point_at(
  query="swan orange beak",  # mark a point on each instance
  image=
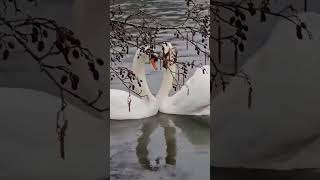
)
(153, 62)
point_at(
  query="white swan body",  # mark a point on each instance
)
(27, 124)
(192, 99)
(140, 107)
(281, 129)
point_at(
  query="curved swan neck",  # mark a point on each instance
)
(167, 82)
(138, 68)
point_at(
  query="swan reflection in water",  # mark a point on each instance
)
(160, 147)
(170, 139)
(170, 124)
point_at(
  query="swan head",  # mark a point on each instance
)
(169, 54)
(148, 55)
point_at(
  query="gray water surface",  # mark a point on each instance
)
(160, 147)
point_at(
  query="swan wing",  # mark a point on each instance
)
(194, 97)
(119, 106)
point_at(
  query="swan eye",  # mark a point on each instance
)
(154, 57)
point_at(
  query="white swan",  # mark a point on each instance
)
(28, 120)
(281, 130)
(140, 107)
(193, 98)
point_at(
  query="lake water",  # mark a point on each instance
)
(160, 147)
(163, 146)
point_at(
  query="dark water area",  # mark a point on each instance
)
(222, 173)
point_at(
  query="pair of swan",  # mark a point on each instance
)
(192, 99)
